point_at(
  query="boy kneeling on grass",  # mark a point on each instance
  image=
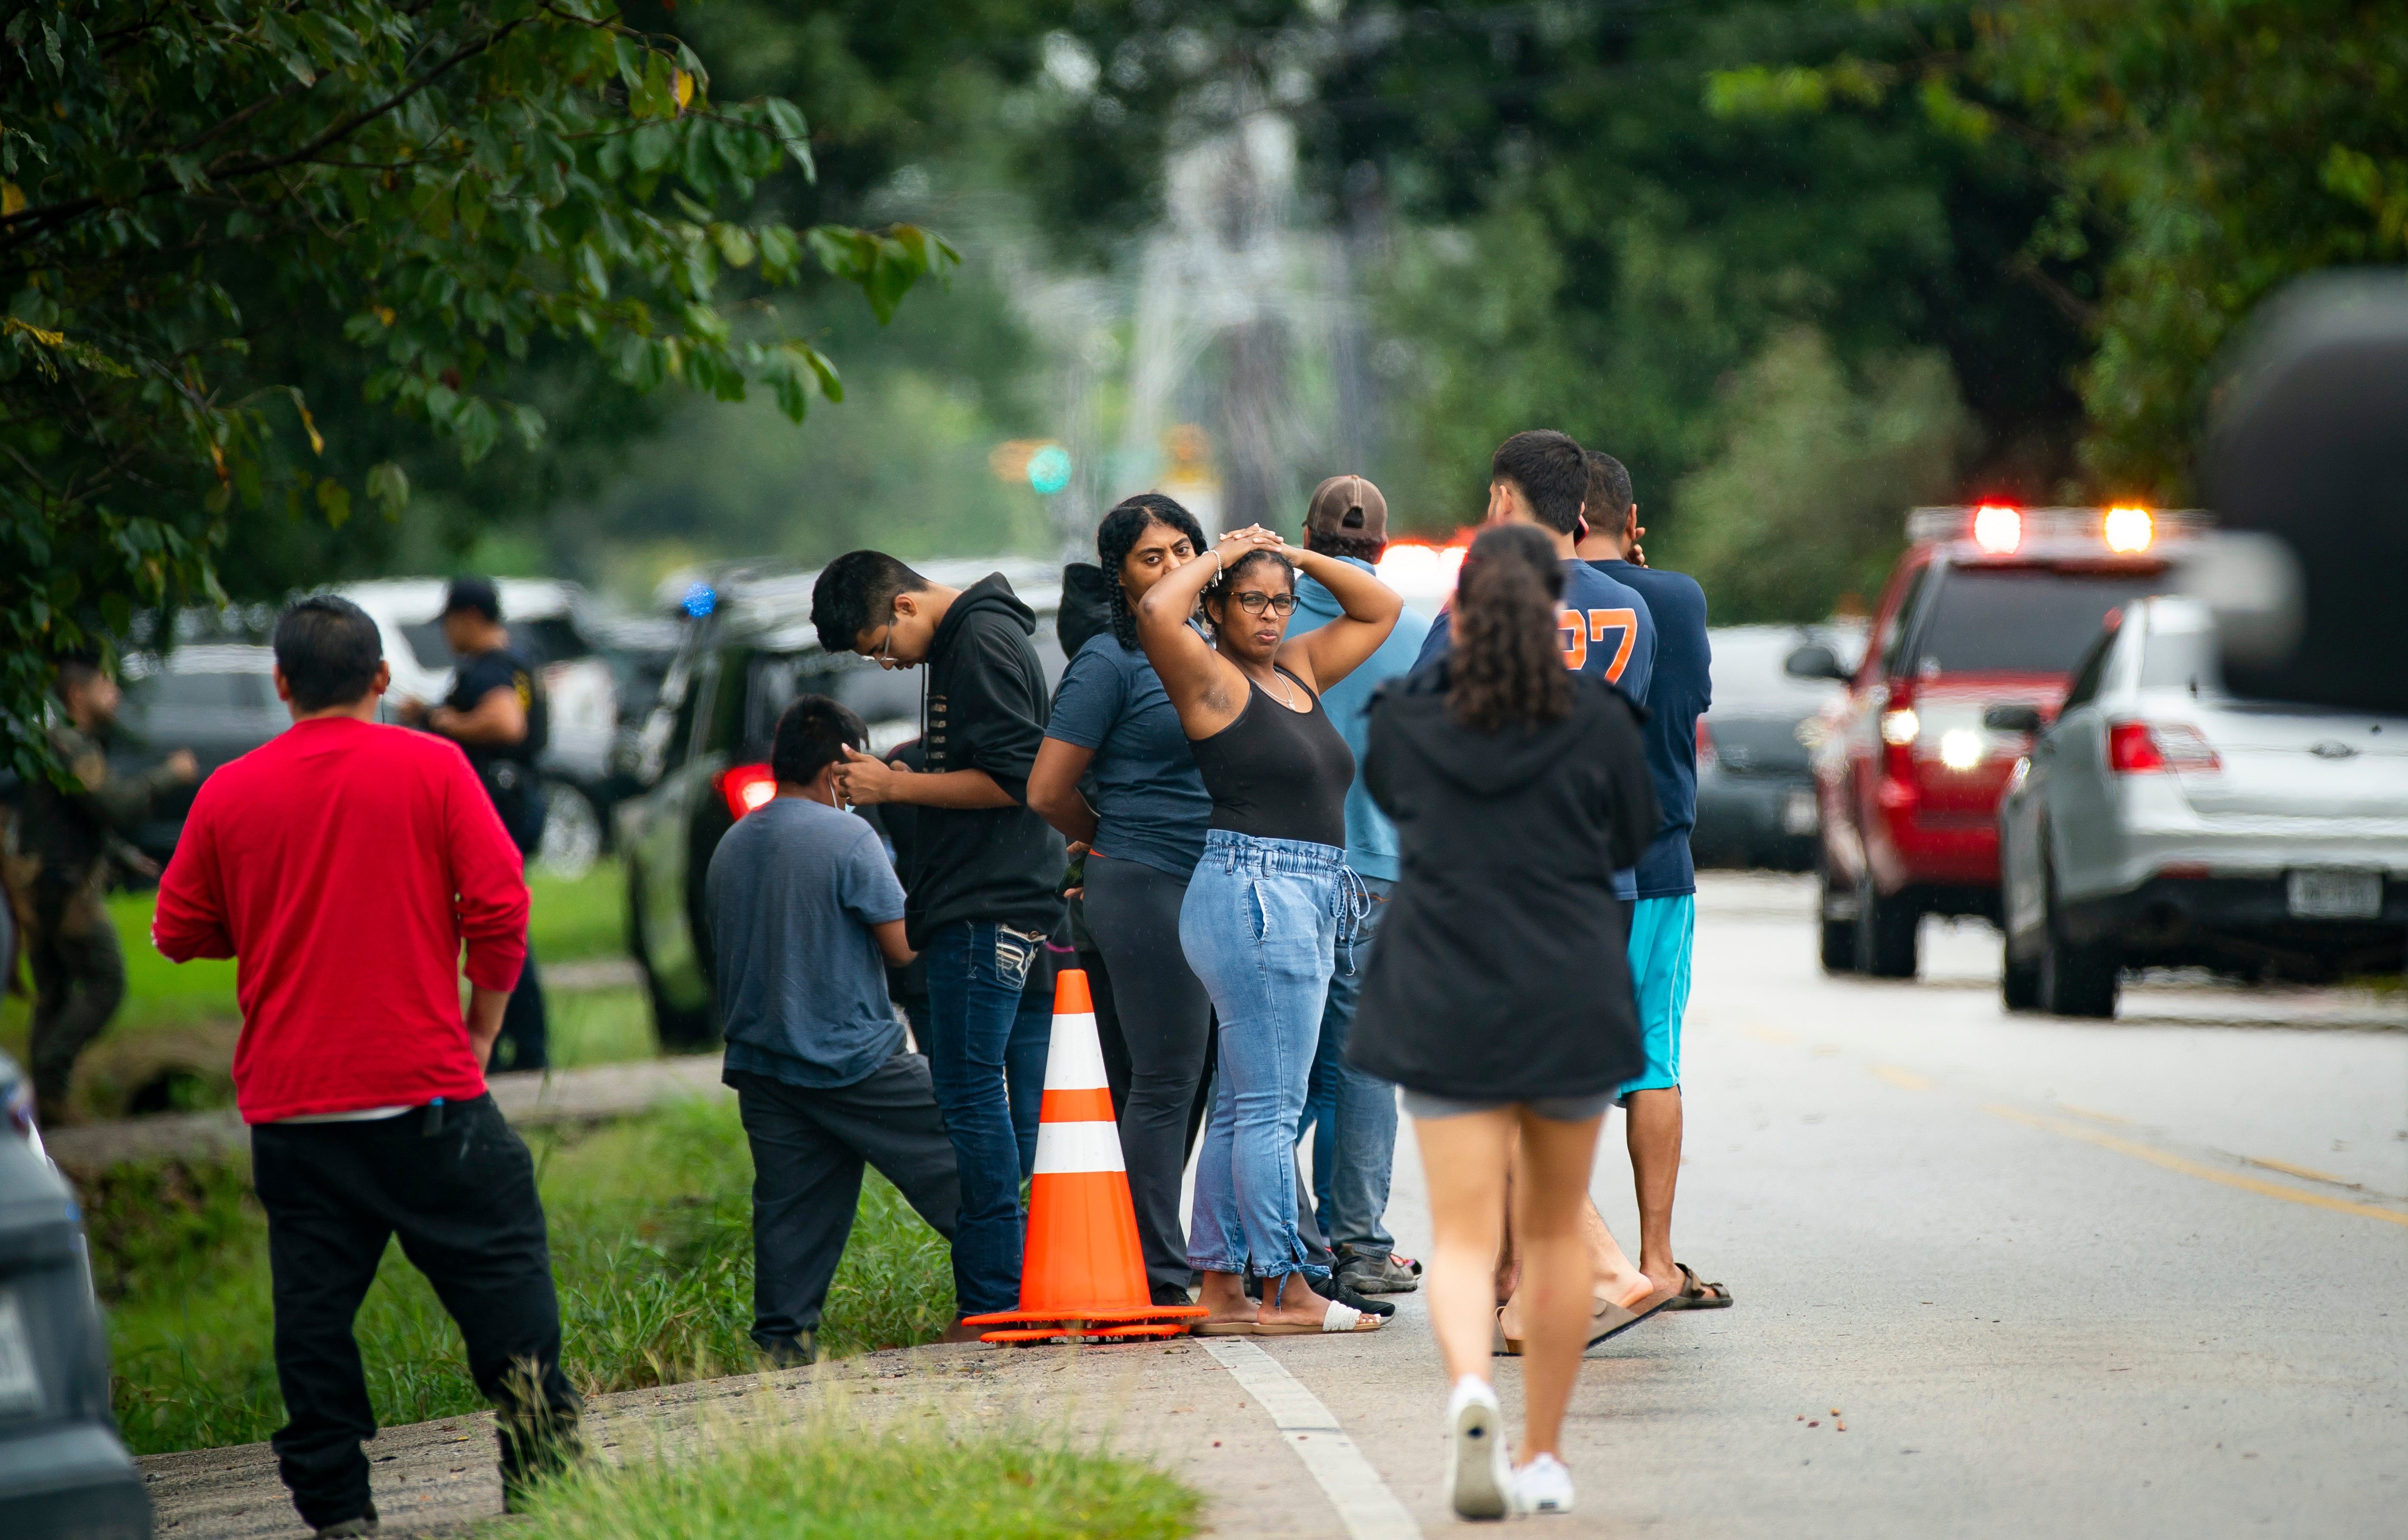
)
(805, 914)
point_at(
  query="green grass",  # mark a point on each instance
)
(587, 918)
(652, 1241)
(600, 1027)
(827, 1478)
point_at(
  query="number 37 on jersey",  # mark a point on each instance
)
(1595, 626)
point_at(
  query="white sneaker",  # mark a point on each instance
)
(1542, 1486)
(1479, 1473)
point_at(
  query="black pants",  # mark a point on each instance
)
(1165, 1020)
(809, 1148)
(78, 982)
(526, 1031)
(462, 1200)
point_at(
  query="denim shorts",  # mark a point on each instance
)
(1421, 1104)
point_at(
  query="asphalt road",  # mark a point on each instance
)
(2147, 1277)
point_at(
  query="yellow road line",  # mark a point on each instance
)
(2094, 1117)
(1767, 1034)
(2308, 1171)
(1904, 1079)
(2193, 1168)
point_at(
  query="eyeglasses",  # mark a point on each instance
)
(885, 659)
(1253, 602)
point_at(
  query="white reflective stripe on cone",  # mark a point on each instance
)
(1075, 1060)
(1069, 1149)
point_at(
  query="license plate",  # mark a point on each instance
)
(1798, 813)
(2335, 896)
(20, 1388)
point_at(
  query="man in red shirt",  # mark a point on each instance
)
(345, 864)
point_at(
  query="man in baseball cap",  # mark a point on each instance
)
(1354, 1114)
(496, 714)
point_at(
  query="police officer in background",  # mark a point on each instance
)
(496, 714)
(70, 841)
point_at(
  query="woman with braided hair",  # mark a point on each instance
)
(1498, 996)
(1142, 813)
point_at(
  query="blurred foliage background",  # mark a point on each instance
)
(1800, 263)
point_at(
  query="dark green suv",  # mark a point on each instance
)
(705, 751)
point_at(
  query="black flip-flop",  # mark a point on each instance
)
(1694, 1295)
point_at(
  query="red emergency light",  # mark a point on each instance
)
(747, 787)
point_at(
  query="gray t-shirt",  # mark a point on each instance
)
(792, 890)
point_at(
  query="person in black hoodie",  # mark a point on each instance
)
(1498, 993)
(981, 884)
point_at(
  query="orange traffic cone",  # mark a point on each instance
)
(1083, 1272)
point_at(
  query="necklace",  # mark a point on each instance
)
(1283, 697)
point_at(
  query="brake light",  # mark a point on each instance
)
(1705, 743)
(2139, 748)
(2129, 531)
(1998, 529)
(747, 787)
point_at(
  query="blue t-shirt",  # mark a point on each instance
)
(1151, 806)
(1605, 629)
(792, 892)
(1370, 838)
(1678, 693)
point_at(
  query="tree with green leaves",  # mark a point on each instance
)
(194, 192)
(2200, 155)
(1790, 324)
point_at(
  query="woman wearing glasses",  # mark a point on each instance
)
(1272, 897)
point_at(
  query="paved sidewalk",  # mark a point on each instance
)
(526, 1097)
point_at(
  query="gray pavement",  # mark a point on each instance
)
(2137, 1278)
(2026, 1331)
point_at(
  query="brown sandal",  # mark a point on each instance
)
(1694, 1295)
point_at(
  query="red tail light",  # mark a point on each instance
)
(2131, 751)
(747, 787)
(1705, 743)
(2139, 748)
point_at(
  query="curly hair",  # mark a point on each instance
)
(1119, 533)
(1219, 586)
(1507, 668)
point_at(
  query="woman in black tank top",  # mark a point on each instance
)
(1265, 909)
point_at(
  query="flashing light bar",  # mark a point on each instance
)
(1420, 570)
(1998, 529)
(2128, 530)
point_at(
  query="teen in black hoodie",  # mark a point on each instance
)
(981, 884)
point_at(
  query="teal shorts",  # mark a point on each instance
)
(1660, 930)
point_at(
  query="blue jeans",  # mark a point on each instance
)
(1354, 1148)
(1260, 926)
(975, 974)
